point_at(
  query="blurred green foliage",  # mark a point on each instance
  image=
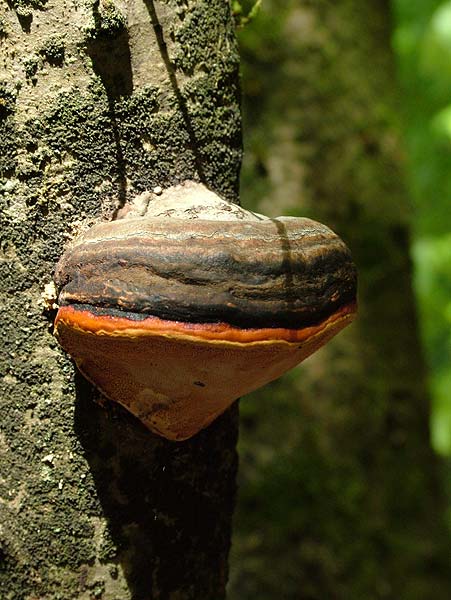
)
(326, 507)
(245, 10)
(422, 42)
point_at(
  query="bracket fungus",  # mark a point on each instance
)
(187, 302)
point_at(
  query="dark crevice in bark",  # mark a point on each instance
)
(194, 144)
(111, 61)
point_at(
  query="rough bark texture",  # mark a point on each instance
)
(339, 487)
(100, 101)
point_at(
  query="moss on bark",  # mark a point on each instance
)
(93, 505)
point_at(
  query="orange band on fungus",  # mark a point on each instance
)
(86, 321)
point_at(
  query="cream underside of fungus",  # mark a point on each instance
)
(187, 302)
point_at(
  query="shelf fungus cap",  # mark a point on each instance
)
(177, 313)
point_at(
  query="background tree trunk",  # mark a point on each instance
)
(99, 102)
(339, 487)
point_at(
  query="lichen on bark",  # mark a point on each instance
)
(93, 506)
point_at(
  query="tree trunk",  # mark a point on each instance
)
(339, 487)
(99, 102)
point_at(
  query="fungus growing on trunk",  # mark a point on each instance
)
(177, 313)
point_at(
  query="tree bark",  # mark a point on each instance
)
(99, 102)
(340, 494)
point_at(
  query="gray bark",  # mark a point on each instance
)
(100, 101)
